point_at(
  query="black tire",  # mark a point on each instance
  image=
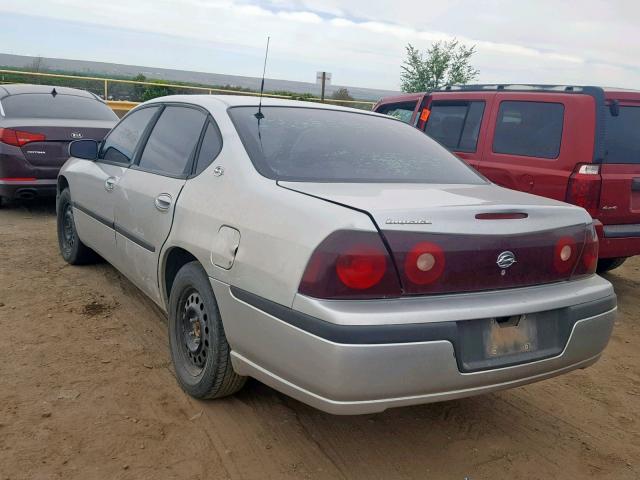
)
(199, 347)
(71, 247)
(608, 264)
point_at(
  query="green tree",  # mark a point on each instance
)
(444, 64)
(341, 94)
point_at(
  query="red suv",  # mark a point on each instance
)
(576, 144)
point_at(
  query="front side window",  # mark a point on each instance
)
(455, 125)
(121, 143)
(623, 136)
(322, 145)
(45, 105)
(402, 111)
(173, 141)
(531, 129)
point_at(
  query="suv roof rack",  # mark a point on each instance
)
(517, 87)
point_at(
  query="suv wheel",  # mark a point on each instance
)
(71, 247)
(199, 348)
(608, 264)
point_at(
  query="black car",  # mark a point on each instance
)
(37, 123)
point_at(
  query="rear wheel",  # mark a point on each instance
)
(199, 348)
(71, 247)
(608, 264)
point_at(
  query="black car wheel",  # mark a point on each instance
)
(199, 347)
(71, 247)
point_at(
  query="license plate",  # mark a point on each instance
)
(516, 335)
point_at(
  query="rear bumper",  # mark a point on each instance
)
(365, 371)
(620, 241)
(28, 188)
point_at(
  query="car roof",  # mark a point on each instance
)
(251, 101)
(25, 88)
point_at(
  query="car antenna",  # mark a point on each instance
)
(259, 115)
(53, 92)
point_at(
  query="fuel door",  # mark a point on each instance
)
(225, 246)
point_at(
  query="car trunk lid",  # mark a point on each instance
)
(463, 238)
(54, 150)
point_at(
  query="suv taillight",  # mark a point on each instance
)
(350, 264)
(584, 187)
(18, 138)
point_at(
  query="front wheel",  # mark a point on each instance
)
(199, 348)
(608, 264)
(71, 247)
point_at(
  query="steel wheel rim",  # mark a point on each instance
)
(68, 229)
(193, 331)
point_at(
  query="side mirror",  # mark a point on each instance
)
(87, 149)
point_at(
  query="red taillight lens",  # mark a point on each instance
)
(589, 259)
(584, 187)
(424, 263)
(18, 138)
(565, 255)
(350, 264)
(362, 267)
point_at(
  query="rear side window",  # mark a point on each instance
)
(402, 111)
(530, 129)
(45, 105)
(173, 141)
(455, 125)
(323, 145)
(210, 148)
(623, 136)
(119, 146)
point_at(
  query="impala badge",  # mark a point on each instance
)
(506, 259)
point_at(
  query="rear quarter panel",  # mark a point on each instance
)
(542, 176)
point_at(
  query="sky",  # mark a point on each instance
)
(361, 42)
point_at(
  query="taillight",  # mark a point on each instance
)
(424, 264)
(584, 187)
(565, 254)
(589, 258)
(18, 138)
(350, 264)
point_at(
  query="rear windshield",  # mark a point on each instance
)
(623, 136)
(45, 105)
(316, 145)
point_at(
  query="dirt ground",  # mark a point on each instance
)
(86, 391)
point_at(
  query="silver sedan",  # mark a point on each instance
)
(341, 257)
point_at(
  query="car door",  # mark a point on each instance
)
(620, 169)
(149, 190)
(93, 185)
(457, 121)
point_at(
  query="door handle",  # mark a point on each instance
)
(635, 184)
(163, 202)
(110, 183)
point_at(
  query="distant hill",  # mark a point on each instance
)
(170, 75)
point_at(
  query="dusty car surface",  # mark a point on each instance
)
(341, 257)
(37, 123)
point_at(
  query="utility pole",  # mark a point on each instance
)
(323, 79)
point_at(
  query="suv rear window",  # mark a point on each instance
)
(402, 111)
(322, 145)
(455, 124)
(530, 129)
(45, 105)
(623, 136)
